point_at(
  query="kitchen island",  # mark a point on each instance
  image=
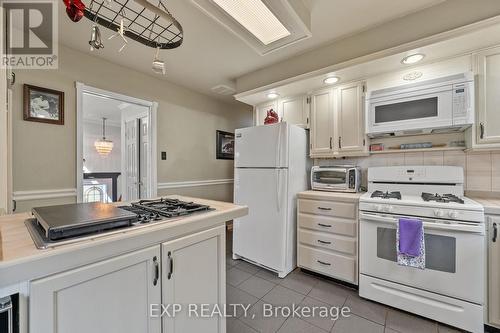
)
(110, 283)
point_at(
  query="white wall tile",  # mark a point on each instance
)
(456, 158)
(395, 159)
(433, 158)
(479, 171)
(415, 158)
(495, 171)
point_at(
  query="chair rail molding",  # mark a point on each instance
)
(43, 194)
(194, 183)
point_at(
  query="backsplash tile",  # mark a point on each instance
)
(495, 171)
(481, 169)
(479, 172)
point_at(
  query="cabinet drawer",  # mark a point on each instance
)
(329, 208)
(334, 265)
(328, 224)
(328, 241)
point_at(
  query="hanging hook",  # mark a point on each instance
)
(121, 30)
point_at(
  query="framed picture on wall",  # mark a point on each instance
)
(225, 145)
(43, 105)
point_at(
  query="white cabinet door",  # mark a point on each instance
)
(349, 118)
(294, 110)
(111, 296)
(322, 123)
(488, 69)
(262, 109)
(494, 270)
(193, 272)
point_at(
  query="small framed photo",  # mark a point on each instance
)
(43, 105)
(225, 145)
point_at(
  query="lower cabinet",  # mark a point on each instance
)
(493, 270)
(327, 236)
(193, 275)
(111, 296)
(116, 295)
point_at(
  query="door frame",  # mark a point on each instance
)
(81, 88)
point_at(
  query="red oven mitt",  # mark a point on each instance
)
(74, 9)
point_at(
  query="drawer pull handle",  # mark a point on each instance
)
(323, 242)
(325, 225)
(324, 208)
(324, 263)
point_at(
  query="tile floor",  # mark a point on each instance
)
(249, 284)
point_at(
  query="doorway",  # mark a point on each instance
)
(116, 146)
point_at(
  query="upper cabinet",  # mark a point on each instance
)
(322, 129)
(337, 121)
(350, 118)
(293, 110)
(487, 131)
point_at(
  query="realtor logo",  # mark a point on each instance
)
(29, 39)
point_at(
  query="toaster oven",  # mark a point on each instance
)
(342, 178)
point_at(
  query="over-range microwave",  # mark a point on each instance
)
(440, 105)
(340, 178)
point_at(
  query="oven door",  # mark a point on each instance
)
(411, 110)
(333, 179)
(454, 253)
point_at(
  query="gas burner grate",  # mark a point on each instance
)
(387, 195)
(445, 198)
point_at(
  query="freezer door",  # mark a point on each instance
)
(260, 236)
(262, 146)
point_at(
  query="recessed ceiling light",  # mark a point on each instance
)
(413, 58)
(272, 95)
(256, 18)
(331, 80)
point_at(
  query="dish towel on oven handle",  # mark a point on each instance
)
(410, 243)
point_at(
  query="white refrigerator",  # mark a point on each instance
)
(271, 167)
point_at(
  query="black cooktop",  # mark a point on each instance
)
(65, 223)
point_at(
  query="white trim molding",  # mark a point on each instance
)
(44, 194)
(194, 183)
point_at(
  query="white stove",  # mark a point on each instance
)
(451, 287)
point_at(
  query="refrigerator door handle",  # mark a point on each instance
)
(278, 151)
(278, 189)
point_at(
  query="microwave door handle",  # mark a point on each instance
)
(427, 224)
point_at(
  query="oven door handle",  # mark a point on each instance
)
(479, 228)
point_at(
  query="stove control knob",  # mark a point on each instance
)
(390, 209)
(439, 213)
(453, 214)
(378, 208)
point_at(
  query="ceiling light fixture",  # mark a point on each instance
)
(331, 80)
(103, 146)
(272, 95)
(412, 58)
(256, 18)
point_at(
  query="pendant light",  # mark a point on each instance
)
(103, 146)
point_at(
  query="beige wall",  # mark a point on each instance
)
(446, 16)
(44, 156)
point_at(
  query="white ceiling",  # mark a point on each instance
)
(96, 107)
(212, 55)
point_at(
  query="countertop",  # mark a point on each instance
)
(326, 195)
(491, 204)
(21, 261)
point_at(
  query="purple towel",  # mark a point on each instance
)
(410, 236)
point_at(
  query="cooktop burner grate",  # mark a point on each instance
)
(445, 198)
(387, 195)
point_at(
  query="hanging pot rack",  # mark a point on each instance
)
(145, 23)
